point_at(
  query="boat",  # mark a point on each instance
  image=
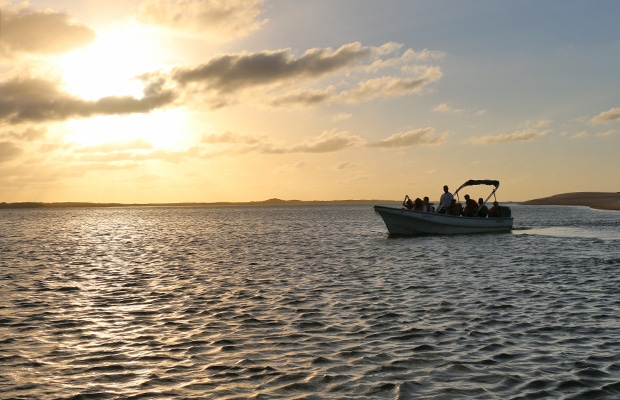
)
(404, 222)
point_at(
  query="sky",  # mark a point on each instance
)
(156, 101)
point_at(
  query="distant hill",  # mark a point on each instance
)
(598, 200)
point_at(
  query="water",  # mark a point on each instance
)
(305, 302)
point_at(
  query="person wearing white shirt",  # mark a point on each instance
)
(444, 201)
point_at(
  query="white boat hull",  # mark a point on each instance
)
(405, 222)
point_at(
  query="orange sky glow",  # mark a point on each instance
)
(151, 101)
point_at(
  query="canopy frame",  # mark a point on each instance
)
(475, 182)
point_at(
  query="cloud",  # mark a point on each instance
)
(305, 98)
(232, 72)
(104, 155)
(448, 109)
(281, 79)
(28, 135)
(232, 138)
(423, 136)
(131, 145)
(327, 142)
(608, 133)
(388, 87)
(342, 117)
(40, 100)
(42, 32)
(543, 123)
(525, 135)
(580, 135)
(345, 165)
(8, 151)
(445, 108)
(607, 116)
(268, 77)
(371, 89)
(219, 19)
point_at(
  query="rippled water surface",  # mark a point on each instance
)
(305, 302)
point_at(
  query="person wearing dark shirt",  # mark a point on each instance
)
(470, 207)
(483, 210)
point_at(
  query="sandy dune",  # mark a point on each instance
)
(598, 200)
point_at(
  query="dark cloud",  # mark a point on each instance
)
(306, 98)
(42, 32)
(424, 136)
(280, 79)
(229, 73)
(39, 100)
(328, 143)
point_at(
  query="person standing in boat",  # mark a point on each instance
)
(444, 201)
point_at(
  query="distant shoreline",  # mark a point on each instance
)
(597, 200)
(270, 202)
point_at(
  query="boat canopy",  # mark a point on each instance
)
(475, 182)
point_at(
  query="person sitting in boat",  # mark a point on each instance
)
(418, 205)
(483, 210)
(454, 208)
(494, 211)
(444, 200)
(408, 203)
(470, 207)
(428, 207)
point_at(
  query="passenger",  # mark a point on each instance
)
(494, 211)
(407, 203)
(483, 210)
(470, 207)
(428, 207)
(454, 208)
(418, 205)
(444, 201)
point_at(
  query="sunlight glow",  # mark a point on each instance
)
(161, 129)
(108, 66)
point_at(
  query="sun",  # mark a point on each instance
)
(109, 65)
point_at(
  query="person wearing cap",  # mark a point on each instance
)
(470, 207)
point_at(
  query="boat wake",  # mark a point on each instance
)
(569, 232)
